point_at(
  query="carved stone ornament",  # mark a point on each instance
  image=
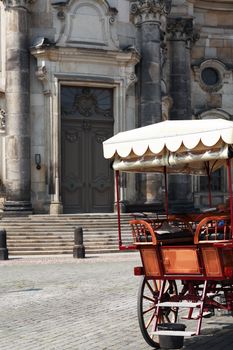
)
(131, 80)
(41, 73)
(62, 6)
(17, 3)
(72, 20)
(181, 29)
(112, 14)
(167, 103)
(163, 49)
(149, 10)
(2, 119)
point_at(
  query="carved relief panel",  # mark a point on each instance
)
(85, 23)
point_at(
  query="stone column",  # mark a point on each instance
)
(147, 16)
(180, 34)
(18, 174)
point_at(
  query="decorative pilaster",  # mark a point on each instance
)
(18, 158)
(52, 127)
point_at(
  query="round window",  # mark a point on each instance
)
(210, 76)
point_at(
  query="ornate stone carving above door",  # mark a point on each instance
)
(85, 23)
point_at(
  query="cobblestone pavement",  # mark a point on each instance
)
(61, 303)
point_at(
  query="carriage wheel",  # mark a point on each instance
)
(147, 299)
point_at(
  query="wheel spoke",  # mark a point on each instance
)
(156, 288)
(148, 310)
(149, 287)
(150, 320)
(148, 298)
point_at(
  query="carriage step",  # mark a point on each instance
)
(179, 304)
(175, 333)
(196, 315)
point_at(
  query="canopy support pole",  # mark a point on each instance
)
(166, 190)
(209, 185)
(230, 193)
(118, 209)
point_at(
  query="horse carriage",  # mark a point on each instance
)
(186, 259)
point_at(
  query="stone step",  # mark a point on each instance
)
(51, 218)
(45, 234)
(86, 225)
(63, 224)
(67, 235)
(13, 243)
(16, 243)
(66, 240)
(52, 246)
(51, 222)
(64, 228)
(60, 252)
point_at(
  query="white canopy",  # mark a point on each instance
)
(183, 146)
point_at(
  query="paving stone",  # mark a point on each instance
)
(61, 303)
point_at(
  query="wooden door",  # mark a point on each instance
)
(87, 178)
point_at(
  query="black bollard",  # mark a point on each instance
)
(3, 245)
(79, 249)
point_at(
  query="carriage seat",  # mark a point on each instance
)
(219, 236)
(173, 232)
(213, 228)
(145, 232)
(215, 235)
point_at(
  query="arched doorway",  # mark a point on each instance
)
(86, 177)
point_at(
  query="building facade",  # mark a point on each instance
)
(75, 72)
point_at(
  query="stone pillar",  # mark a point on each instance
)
(180, 34)
(147, 16)
(18, 174)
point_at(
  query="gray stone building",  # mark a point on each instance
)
(75, 72)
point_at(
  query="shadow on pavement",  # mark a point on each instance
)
(212, 338)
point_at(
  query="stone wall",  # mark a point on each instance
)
(113, 52)
(106, 56)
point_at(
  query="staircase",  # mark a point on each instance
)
(185, 304)
(50, 234)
